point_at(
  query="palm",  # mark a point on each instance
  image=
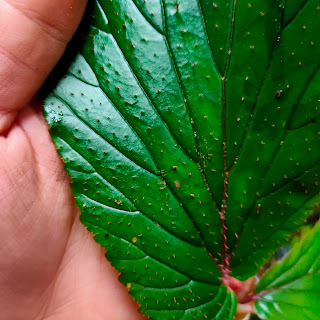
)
(50, 267)
(36, 213)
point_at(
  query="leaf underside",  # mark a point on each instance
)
(190, 132)
(291, 289)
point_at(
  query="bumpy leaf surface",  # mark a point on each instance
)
(190, 132)
(291, 289)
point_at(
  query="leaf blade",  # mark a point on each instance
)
(293, 284)
(144, 120)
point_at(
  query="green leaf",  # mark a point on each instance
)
(190, 132)
(291, 288)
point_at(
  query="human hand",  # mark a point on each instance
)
(50, 267)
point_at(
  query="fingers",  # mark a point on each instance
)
(77, 280)
(34, 34)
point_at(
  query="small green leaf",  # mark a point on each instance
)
(190, 131)
(291, 288)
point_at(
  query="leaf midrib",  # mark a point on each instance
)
(225, 256)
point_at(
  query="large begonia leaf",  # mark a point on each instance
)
(291, 289)
(190, 131)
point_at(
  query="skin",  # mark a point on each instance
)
(50, 266)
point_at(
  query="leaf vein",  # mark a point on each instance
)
(295, 16)
(148, 19)
(147, 217)
(162, 262)
(100, 175)
(290, 181)
(97, 133)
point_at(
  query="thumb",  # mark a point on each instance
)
(34, 35)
